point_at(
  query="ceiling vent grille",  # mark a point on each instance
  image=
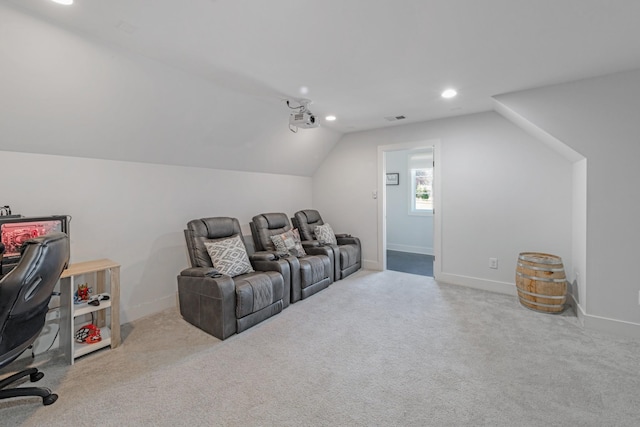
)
(394, 118)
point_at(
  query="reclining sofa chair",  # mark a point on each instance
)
(347, 251)
(309, 273)
(220, 304)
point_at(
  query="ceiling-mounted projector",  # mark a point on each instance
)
(303, 119)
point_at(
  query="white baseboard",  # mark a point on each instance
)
(577, 308)
(130, 314)
(604, 324)
(590, 322)
(611, 326)
(408, 248)
(476, 283)
(371, 265)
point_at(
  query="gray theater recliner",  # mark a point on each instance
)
(309, 274)
(222, 305)
(347, 253)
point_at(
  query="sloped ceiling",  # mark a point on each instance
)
(202, 82)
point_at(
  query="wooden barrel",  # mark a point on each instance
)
(541, 282)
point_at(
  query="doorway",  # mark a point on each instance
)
(410, 262)
(408, 224)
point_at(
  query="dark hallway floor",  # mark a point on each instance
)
(407, 262)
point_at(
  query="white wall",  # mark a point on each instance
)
(503, 192)
(67, 94)
(578, 277)
(134, 213)
(578, 281)
(599, 118)
(405, 232)
(71, 100)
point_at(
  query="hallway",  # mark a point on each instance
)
(407, 262)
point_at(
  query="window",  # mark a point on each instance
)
(421, 184)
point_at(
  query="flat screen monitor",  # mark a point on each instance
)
(15, 231)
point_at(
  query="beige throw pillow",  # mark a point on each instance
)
(289, 242)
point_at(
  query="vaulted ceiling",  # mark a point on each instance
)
(360, 60)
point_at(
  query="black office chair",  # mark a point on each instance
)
(24, 301)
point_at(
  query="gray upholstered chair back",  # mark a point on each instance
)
(264, 226)
(200, 230)
(306, 221)
(26, 290)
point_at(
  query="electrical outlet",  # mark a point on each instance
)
(493, 262)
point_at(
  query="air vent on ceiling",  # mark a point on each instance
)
(394, 118)
(126, 27)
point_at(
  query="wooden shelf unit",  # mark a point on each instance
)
(107, 275)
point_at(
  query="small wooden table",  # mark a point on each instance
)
(107, 274)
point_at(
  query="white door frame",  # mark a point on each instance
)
(382, 199)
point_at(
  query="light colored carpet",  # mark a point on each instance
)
(375, 349)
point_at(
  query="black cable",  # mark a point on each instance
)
(50, 345)
(301, 107)
(54, 339)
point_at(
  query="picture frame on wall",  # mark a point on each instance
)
(393, 179)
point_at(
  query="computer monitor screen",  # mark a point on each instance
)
(15, 231)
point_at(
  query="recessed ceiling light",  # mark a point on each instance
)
(304, 90)
(330, 118)
(64, 2)
(449, 93)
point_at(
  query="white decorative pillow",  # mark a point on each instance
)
(324, 233)
(229, 256)
(289, 242)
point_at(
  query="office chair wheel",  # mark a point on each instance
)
(48, 400)
(36, 376)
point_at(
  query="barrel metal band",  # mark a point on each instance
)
(542, 296)
(541, 260)
(541, 304)
(531, 267)
(541, 279)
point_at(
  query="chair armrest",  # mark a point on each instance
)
(200, 272)
(310, 244)
(208, 302)
(348, 240)
(319, 249)
(339, 235)
(263, 256)
(221, 286)
(270, 261)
